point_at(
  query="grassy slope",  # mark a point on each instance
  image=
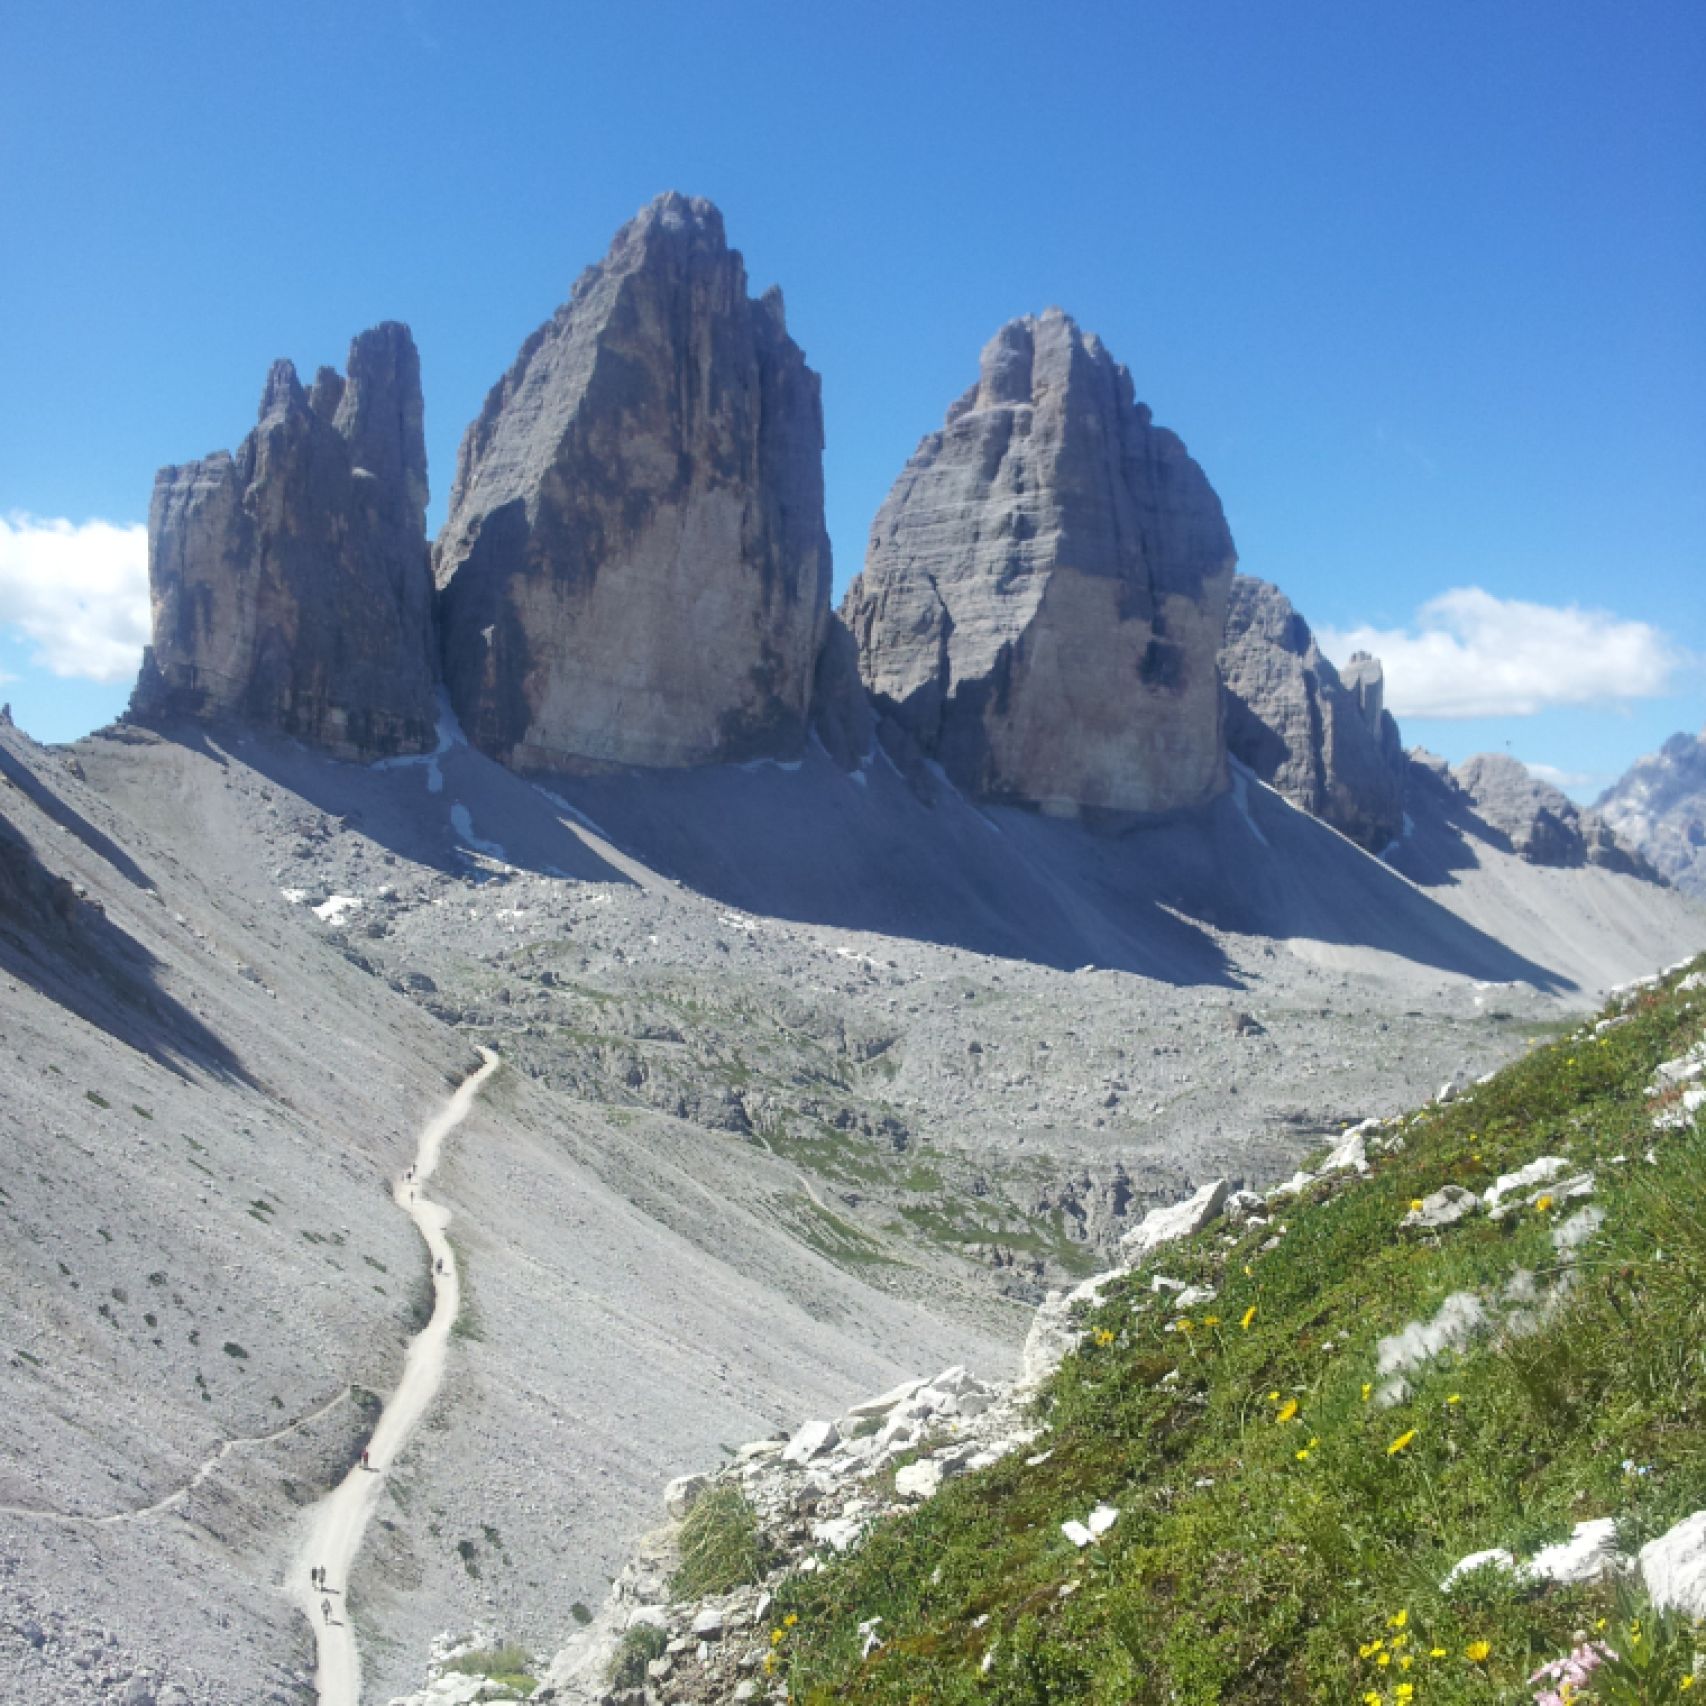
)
(1258, 1559)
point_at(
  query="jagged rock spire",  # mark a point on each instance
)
(635, 569)
(290, 583)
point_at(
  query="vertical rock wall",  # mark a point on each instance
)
(635, 569)
(290, 584)
(1045, 589)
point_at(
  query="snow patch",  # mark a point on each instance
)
(463, 823)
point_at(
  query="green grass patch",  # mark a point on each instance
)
(508, 1666)
(1283, 1533)
(721, 1547)
(640, 1645)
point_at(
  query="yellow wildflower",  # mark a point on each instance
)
(1405, 1691)
(776, 1637)
(1367, 1390)
(790, 1620)
(1397, 1620)
(1104, 1336)
(1415, 1205)
(1477, 1652)
(1542, 1205)
(1455, 1398)
(1211, 1320)
(1371, 1698)
(1383, 1660)
(1400, 1442)
(1249, 1316)
(1438, 1653)
(1273, 1397)
(1369, 1648)
(1185, 1324)
(1287, 1411)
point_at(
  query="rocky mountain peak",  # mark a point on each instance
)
(1659, 806)
(1319, 735)
(635, 569)
(1044, 590)
(289, 583)
(1514, 808)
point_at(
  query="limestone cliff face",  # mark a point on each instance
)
(1321, 737)
(1045, 588)
(290, 583)
(1658, 807)
(635, 569)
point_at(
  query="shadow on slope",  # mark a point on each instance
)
(874, 851)
(865, 852)
(66, 948)
(447, 810)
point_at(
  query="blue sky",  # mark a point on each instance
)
(1421, 287)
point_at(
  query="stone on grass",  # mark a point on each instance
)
(1494, 1558)
(1538, 1172)
(921, 1480)
(1590, 1553)
(1673, 1567)
(1178, 1220)
(1445, 1207)
(682, 1494)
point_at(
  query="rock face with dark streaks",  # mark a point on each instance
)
(1320, 736)
(1045, 588)
(290, 583)
(1659, 807)
(635, 569)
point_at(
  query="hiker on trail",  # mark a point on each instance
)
(364, 1463)
(326, 1609)
(314, 1577)
(441, 1264)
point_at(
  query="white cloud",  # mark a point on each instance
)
(1563, 778)
(1470, 654)
(78, 591)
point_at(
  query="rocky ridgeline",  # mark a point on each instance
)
(1322, 737)
(635, 573)
(1045, 589)
(1499, 800)
(1659, 806)
(290, 583)
(635, 568)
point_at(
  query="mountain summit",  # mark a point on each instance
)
(289, 583)
(1045, 588)
(635, 569)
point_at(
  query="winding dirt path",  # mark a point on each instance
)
(239, 1444)
(334, 1526)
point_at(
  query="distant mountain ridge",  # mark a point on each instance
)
(1659, 806)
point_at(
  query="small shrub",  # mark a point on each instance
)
(580, 1613)
(506, 1665)
(721, 1547)
(233, 1349)
(643, 1643)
